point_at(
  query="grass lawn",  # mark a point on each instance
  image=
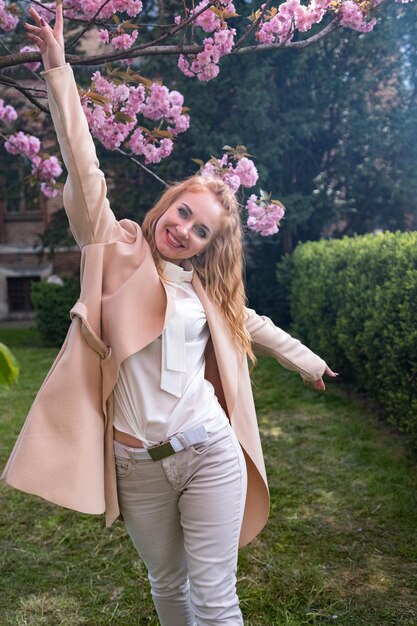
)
(340, 546)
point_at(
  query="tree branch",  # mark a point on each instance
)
(304, 43)
(86, 27)
(5, 47)
(150, 49)
(175, 29)
(147, 170)
(5, 80)
(253, 25)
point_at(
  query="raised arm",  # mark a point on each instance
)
(85, 191)
(269, 340)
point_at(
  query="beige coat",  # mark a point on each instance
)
(64, 452)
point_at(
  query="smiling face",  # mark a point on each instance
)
(188, 226)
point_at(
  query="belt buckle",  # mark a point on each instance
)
(161, 450)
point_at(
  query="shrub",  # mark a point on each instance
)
(9, 368)
(354, 302)
(53, 303)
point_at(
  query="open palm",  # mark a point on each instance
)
(49, 41)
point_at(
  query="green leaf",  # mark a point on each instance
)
(216, 12)
(123, 117)
(254, 15)
(160, 134)
(9, 369)
(130, 25)
(223, 14)
(97, 98)
(132, 77)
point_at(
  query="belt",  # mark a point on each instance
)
(171, 445)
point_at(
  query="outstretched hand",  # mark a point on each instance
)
(319, 384)
(49, 41)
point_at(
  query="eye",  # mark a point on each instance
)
(182, 211)
(201, 232)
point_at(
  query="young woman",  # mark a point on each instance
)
(147, 410)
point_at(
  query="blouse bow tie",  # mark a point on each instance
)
(172, 273)
(173, 336)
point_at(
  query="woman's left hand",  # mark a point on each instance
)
(319, 384)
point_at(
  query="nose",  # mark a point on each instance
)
(182, 231)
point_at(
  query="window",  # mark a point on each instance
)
(19, 289)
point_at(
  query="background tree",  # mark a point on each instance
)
(332, 126)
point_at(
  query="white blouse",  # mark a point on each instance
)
(161, 390)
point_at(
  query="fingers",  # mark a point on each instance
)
(57, 31)
(34, 33)
(50, 41)
(38, 41)
(39, 34)
(36, 16)
(33, 30)
(59, 18)
(330, 372)
(319, 385)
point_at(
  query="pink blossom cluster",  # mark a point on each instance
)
(32, 65)
(208, 20)
(244, 173)
(7, 112)
(44, 168)
(86, 9)
(118, 38)
(264, 215)
(25, 145)
(113, 117)
(205, 64)
(143, 144)
(47, 170)
(279, 25)
(353, 17)
(8, 18)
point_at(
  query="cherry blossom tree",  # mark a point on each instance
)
(140, 117)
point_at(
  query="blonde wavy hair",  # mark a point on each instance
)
(220, 265)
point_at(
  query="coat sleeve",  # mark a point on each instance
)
(85, 192)
(269, 340)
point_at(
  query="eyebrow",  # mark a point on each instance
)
(190, 211)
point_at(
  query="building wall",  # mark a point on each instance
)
(23, 230)
(19, 266)
(21, 262)
(24, 215)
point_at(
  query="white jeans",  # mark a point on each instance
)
(184, 515)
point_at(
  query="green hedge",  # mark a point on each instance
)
(354, 301)
(53, 303)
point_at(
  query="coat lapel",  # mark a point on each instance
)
(226, 353)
